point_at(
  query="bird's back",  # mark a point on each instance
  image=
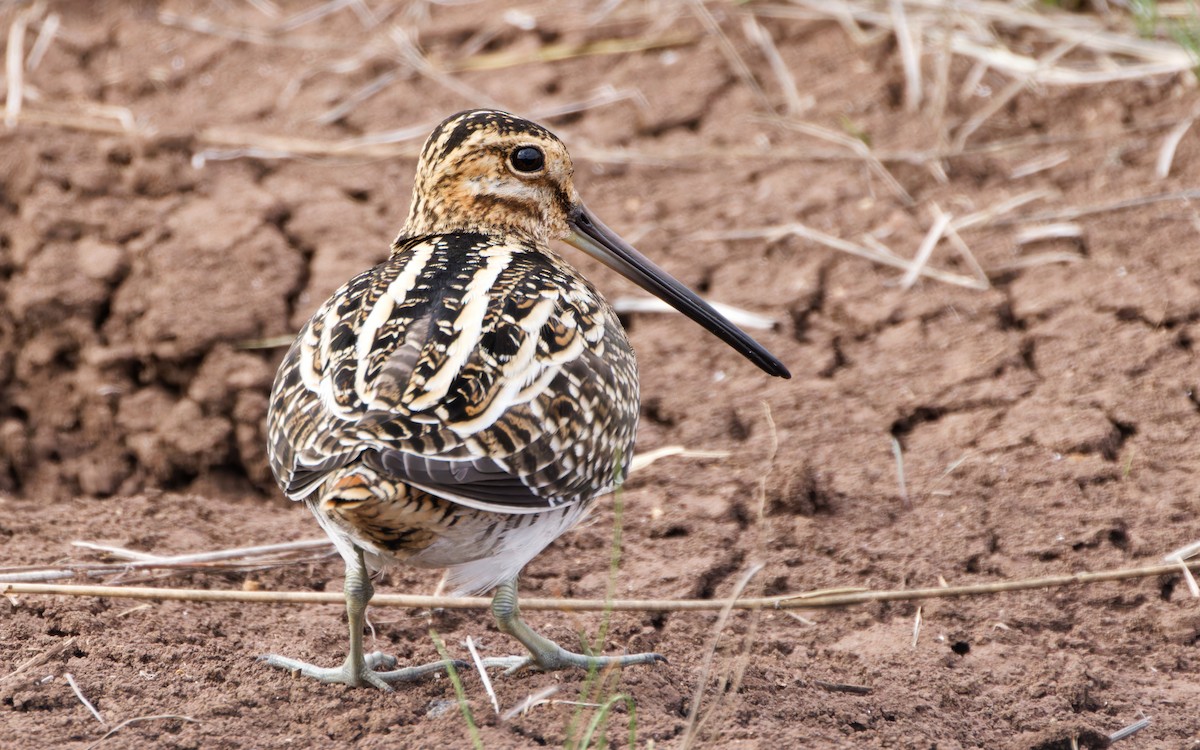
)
(481, 369)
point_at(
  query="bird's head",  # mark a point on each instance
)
(489, 171)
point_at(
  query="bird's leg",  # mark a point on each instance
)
(545, 654)
(359, 669)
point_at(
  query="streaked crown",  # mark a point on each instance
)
(491, 172)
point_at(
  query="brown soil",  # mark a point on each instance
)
(1049, 424)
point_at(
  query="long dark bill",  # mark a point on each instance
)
(591, 236)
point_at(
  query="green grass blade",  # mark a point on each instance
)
(460, 694)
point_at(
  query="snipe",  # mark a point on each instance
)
(463, 403)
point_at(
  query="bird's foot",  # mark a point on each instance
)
(363, 673)
(555, 658)
(545, 654)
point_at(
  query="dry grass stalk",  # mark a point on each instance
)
(730, 53)
(1006, 95)
(14, 67)
(531, 701)
(811, 600)
(888, 258)
(1129, 731)
(1166, 154)
(733, 672)
(311, 15)
(70, 678)
(757, 34)
(993, 214)
(350, 103)
(227, 143)
(910, 56)
(925, 250)
(856, 146)
(139, 720)
(964, 251)
(280, 34)
(483, 675)
(695, 723)
(95, 118)
(243, 559)
(38, 660)
(566, 51)
(1184, 552)
(1033, 261)
(1062, 230)
(898, 455)
(240, 34)
(1039, 164)
(267, 7)
(1070, 213)
(940, 95)
(1193, 587)
(411, 54)
(46, 34)
(1117, 55)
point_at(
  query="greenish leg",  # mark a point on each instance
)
(545, 654)
(359, 669)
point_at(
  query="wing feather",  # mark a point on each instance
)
(488, 374)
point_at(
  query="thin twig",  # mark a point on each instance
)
(531, 700)
(731, 54)
(964, 251)
(566, 51)
(239, 559)
(39, 659)
(841, 687)
(82, 699)
(224, 554)
(1129, 731)
(898, 455)
(780, 231)
(1039, 164)
(925, 250)
(1188, 550)
(1032, 261)
(483, 675)
(1062, 230)
(1166, 154)
(44, 39)
(941, 82)
(810, 600)
(854, 145)
(796, 104)
(909, 56)
(1077, 212)
(139, 720)
(1007, 94)
(14, 68)
(1193, 587)
(993, 213)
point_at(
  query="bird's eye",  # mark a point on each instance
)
(527, 159)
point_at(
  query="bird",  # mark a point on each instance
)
(465, 402)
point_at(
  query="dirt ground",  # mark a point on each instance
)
(1047, 424)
